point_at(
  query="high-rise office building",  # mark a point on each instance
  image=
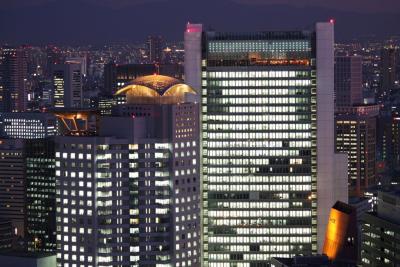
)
(147, 154)
(388, 71)
(40, 194)
(389, 139)
(80, 60)
(110, 79)
(67, 82)
(13, 76)
(155, 45)
(92, 197)
(348, 81)
(381, 232)
(54, 57)
(26, 125)
(270, 173)
(356, 135)
(12, 184)
(162, 125)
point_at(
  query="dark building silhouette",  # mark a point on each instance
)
(6, 234)
(388, 71)
(356, 135)
(12, 184)
(155, 45)
(40, 194)
(53, 57)
(381, 232)
(388, 134)
(302, 261)
(110, 79)
(27, 259)
(13, 77)
(348, 81)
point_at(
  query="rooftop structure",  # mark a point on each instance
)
(27, 259)
(155, 89)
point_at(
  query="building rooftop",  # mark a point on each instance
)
(155, 86)
(302, 261)
(25, 254)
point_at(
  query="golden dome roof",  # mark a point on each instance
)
(155, 86)
(159, 83)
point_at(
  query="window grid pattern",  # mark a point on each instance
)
(259, 163)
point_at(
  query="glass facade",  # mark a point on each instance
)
(259, 147)
(41, 194)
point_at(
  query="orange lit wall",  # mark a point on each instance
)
(336, 231)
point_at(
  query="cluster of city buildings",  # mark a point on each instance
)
(260, 149)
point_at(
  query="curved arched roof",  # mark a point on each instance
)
(160, 83)
(179, 90)
(155, 86)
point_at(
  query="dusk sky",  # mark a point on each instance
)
(108, 21)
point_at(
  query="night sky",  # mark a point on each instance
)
(108, 21)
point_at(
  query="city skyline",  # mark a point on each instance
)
(225, 133)
(40, 22)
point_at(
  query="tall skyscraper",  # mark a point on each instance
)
(54, 57)
(155, 45)
(162, 126)
(388, 131)
(356, 135)
(110, 79)
(92, 195)
(40, 194)
(388, 71)
(67, 82)
(348, 81)
(79, 60)
(135, 182)
(12, 184)
(13, 75)
(270, 174)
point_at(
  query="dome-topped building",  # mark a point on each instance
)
(155, 89)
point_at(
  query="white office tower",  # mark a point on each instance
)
(67, 84)
(139, 179)
(92, 199)
(82, 60)
(163, 126)
(270, 174)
